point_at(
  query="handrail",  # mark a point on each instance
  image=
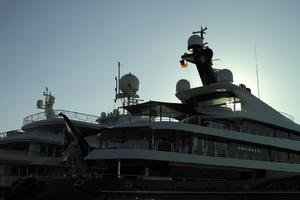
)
(288, 116)
(71, 114)
(13, 132)
(30, 153)
(206, 150)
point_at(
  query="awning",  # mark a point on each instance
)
(161, 109)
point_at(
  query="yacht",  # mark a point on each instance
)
(220, 142)
(36, 150)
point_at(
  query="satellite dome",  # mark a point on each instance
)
(103, 115)
(40, 103)
(52, 99)
(225, 76)
(129, 84)
(182, 85)
(195, 41)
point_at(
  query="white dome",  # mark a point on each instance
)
(52, 99)
(129, 84)
(194, 41)
(225, 76)
(182, 85)
(40, 103)
(103, 115)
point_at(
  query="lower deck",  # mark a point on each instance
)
(171, 164)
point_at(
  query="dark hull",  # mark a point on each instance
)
(114, 188)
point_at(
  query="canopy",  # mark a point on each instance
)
(161, 109)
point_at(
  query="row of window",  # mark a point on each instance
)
(21, 146)
(204, 146)
(49, 150)
(29, 171)
(246, 127)
(208, 147)
(263, 130)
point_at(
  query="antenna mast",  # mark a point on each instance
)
(257, 79)
(202, 32)
(201, 56)
(48, 105)
(119, 65)
(117, 79)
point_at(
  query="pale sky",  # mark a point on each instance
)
(73, 46)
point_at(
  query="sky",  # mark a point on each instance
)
(73, 46)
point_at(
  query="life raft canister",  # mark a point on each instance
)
(128, 184)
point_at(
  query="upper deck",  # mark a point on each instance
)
(38, 127)
(72, 116)
(227, 100)
(40, 121)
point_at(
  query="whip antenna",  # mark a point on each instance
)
(257, 79)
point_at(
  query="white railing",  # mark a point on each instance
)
(20, 152)
(287, 116)
(236, 151)
(71, 115)
(36, 134)
(11, 133)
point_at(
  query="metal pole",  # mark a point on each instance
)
(153, 140)
(119, 168)
(160, 112)
(257, 79)
(119, 64)
(150, 111)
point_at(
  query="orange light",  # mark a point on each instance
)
(185, 65)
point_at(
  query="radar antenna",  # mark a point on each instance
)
(256, 66)
(117, 79)
(126, 93)
(201, 56)
(48, 105)
(202, 32)
(126, 89)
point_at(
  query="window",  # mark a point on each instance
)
(43, 149)
(221, 149)
(226, 99)
(281, 134)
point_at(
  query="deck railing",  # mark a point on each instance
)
(213, 150)
(18, 133)
(72, 116)
(11, 133)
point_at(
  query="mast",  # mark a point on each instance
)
(47, 105)
(126, 88)
(201, 56)
(117, 79)
(119, 66)
(256, 65)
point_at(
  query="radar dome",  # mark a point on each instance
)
(225, 76)
(39, 103)
(103, 115)
(129, 84)
(52, 99)
(195, 41)
(183, 85)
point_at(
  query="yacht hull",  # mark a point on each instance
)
(115, 188)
